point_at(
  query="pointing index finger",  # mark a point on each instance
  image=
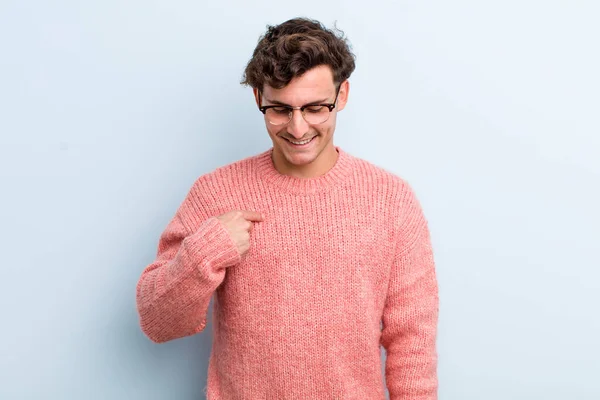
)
(252, 215)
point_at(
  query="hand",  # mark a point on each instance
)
(239, 224)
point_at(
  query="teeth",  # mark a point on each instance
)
(304, 142)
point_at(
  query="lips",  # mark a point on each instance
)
(304, 144)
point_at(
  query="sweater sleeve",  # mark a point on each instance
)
(174, 291)
(410, 314)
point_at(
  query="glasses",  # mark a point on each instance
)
(313, 114)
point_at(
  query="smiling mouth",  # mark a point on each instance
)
(301, 142)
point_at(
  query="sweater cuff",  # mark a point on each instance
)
(213, 245)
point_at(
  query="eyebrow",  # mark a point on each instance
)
(279, 103)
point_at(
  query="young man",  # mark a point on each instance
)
(315, 257)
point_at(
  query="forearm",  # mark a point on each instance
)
(410, 341)
(173, 293)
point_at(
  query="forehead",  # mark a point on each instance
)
(316, 83)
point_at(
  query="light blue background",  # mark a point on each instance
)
(110, 110)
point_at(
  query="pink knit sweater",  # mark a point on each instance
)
(341, 264)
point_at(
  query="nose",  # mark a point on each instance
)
(297, 126)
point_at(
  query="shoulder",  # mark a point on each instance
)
(214, 188)
(219, 178)
(391, 189)
(379, 177)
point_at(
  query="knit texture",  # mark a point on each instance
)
(341, 265)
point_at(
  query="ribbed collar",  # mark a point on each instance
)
(291, 184)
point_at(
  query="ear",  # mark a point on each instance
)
(343, 95)
(256, 96)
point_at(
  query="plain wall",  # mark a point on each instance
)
(110, 110)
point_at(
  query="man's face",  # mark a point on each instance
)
(314, 86)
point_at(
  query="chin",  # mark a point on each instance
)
(300, 159)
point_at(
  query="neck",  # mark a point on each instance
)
(324, 162)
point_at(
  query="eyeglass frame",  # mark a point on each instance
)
(291, 109)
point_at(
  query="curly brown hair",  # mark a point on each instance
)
(293, 47)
